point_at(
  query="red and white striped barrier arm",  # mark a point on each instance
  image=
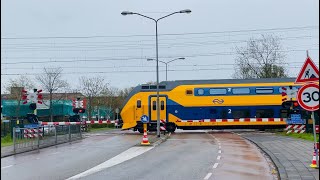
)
(76, 123)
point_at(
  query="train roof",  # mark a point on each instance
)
(169, 85)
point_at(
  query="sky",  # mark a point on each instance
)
(92, 38)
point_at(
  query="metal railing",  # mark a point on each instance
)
(26, 139)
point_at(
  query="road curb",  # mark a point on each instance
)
(162, 139)
(272, 158)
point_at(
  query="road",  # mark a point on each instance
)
(65, 160)
(185, 155)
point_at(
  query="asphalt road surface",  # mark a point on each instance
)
(194, 155)
(65, 160)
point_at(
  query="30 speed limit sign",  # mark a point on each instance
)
(308, 97)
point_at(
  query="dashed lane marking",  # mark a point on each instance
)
(207, 176)
(219, 147)
(215, 165)
(6, 167)
(219, 151)
(219, 157)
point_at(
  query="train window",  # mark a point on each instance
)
(162, 105)
(189, 92)
(264, 113)
(145, 87)
(154, 105)
(241, 91)
(162, 87)
(153, 87)
(200, 91)
(218, 91)
(138, 103)
(243, 113)
(264, 90)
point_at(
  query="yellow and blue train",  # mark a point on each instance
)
(209, 104)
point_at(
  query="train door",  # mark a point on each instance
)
(153, 108)
(138, 110)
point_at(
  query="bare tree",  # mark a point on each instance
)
(261, 58)
(15, 87)
(92, 87)
(51, 81)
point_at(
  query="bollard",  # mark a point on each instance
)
(14, 139)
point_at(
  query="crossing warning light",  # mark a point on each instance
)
(290, 104)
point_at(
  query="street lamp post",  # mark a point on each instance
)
(156, 21)
(166, 63)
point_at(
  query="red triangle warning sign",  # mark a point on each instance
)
(309, 72)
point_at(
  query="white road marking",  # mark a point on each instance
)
(6, 167)
(219, 157)
(55, 153)
(207, 176)
(215, 165)
(219, 147)
(37, 158)
(124, 156)
(219, 151)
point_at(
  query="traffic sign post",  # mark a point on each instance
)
(308, 95)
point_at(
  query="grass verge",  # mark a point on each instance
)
(306, 136)
(6, 141)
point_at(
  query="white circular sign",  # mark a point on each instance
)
(308, 97)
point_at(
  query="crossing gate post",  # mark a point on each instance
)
(14, 139)
(69, 133)
(38, 138)
(55, 134)
(80, 131)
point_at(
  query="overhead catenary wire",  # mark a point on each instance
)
(138, 58)
(169, 34)
(136, 71)
(149, 66)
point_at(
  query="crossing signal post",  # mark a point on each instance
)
(78, 107)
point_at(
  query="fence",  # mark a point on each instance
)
(26, 139)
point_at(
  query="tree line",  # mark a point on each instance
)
(95, 89)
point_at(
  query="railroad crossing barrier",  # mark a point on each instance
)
(26, 139)
(295, 128)
(77, 123)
